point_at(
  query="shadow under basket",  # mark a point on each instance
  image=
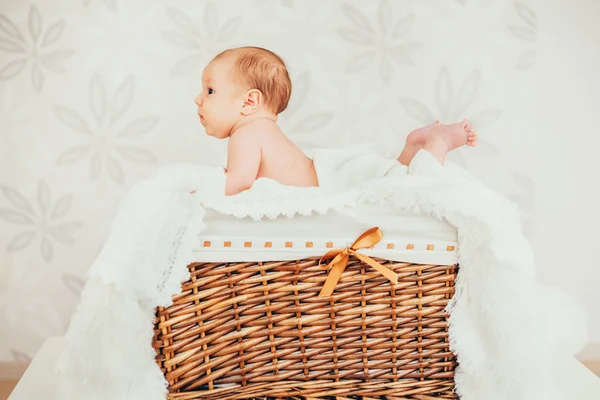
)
(260, 330)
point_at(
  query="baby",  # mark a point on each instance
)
(245, 89)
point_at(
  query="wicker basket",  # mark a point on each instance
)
(260, 330)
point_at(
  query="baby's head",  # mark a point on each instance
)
(239, 85)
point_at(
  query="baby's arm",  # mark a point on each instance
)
(243, 161)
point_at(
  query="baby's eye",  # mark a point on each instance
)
(210, 91)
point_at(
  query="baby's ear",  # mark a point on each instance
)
(252, 101)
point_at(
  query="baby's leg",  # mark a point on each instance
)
(443, 138)
(415, 142)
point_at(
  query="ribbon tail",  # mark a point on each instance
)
(388, 273)
(338, 264)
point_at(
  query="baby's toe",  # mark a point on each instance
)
(464, 126)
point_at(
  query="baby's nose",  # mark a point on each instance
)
(198, 100)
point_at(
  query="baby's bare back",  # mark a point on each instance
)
(281, 160)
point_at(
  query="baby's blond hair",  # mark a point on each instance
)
(263, 70)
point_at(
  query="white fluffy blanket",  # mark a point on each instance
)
(504, 326)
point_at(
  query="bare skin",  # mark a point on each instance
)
(259, 149)
(438, 139)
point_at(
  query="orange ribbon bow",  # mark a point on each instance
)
(341, 256)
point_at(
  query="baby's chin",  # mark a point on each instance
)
(216, 135)
(208, 132)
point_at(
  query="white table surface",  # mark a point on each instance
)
(39, 381)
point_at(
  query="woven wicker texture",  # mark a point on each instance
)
(259, 330)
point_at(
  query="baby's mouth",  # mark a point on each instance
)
(201, 118)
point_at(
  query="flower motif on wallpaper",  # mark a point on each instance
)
(451, 105)
(201, 43)
(110, 4)
(526, 31)
(381, 42)
(47, 220)
(106, 141)
(35, 48)
(304, 128)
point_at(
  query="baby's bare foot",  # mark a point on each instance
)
(456, 135)
(415, 142)
(443, 138)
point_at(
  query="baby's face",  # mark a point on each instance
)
(221, 100)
